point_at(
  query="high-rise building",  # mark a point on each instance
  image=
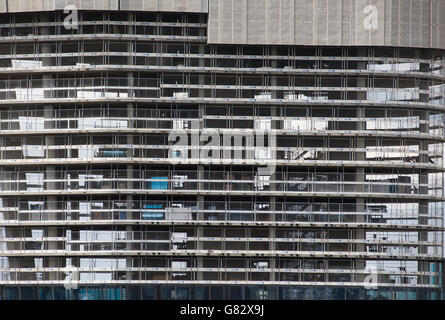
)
(221, 149)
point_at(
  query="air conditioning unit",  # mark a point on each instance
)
(178, 237)
(179, 265)
(83, 65)
(290, 96)
(261, 264)
(263, 96)
(178, 124)
(263, 124)
(180, 95)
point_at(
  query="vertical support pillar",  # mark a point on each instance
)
(360, 173)
(200, 167)
(130, 215)
(423, 176)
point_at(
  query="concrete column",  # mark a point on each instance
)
(273, 260)
(50, 169)
(360, 172)
(276, 124)
(423, 176)
(200, 200)
(130, 141)
(51, 174)
(200, 168)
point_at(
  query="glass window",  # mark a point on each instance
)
(201, 293)
(11, 293)
(217, 293)
(60, 293)
(133, 293)
(148, 292)
(28, 293)
(45, 293)
(236, 293)
(168, 293)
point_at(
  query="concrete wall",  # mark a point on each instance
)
(411, 23)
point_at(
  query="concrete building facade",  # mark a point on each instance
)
(212, 149)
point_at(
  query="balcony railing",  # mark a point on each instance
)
(118, 88)
(184, 181)
(391, 214)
